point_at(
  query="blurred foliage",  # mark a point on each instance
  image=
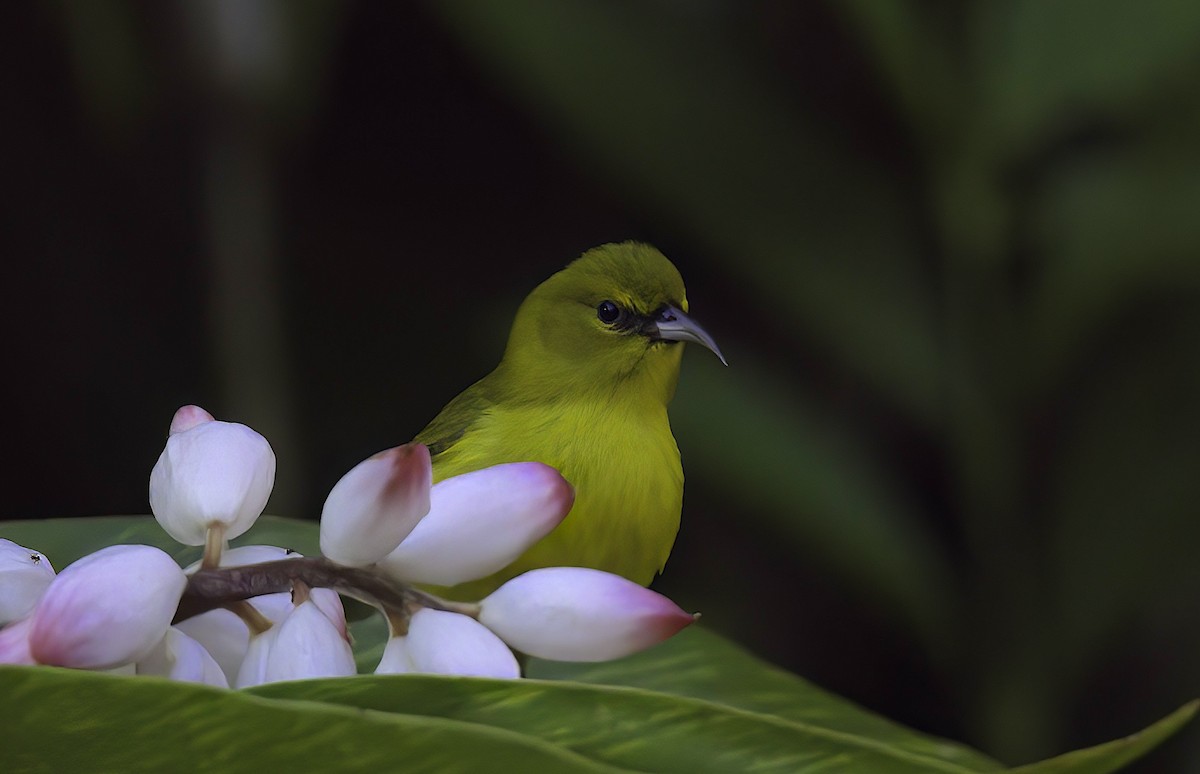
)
(950, 249)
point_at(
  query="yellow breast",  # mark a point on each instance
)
(623, 464)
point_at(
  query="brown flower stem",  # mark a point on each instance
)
(210, 588)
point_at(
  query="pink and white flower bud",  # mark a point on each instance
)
(480, 522)
(107, 609)
(445, 643)
(213, 473)
(308, 645)
(579, 614)
(14, 643)
(24, 576)
(179, 657)
(188, 417)
(376, 505)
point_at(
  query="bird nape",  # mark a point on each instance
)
(591, 364)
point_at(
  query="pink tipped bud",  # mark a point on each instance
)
(480, 522)
(440, 642)
(374, 506)
(179, 657)
(24, 576)
(214, 473)
(107, 609)
(579, 614)
(14, 643)
(188, 417)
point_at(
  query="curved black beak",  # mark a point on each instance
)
(671, 324)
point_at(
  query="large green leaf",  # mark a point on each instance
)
(700, 664)
(625, 727)
(1112, 756)
(65, 540)
(61, 720)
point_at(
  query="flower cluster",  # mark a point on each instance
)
(384, 525)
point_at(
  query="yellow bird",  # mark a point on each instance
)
(591, 363)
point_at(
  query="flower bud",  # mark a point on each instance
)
(179, 657)
(107, 609)
(212, 473)
(480, 522)
(188, 417)
(445, 643)
(579, 614)
(24, 576)
(374, 506)
(395, 659)
(14, 643)
(223, 635)
(253, 669)
(308, 645)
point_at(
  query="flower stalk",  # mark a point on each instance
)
(214, 587)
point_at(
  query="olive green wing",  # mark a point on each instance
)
(455, 420)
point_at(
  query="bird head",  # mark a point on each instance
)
(616, 315)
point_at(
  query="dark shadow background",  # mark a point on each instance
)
(951, 251)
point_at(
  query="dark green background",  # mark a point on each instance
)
(952, 251)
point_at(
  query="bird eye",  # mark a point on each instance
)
(608, 312)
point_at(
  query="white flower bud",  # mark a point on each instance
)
(14, 643)
(441, 642)
(253, 669)
(179, 657)
(226, 637)
(107, 609)
(301, 643)
(24, 576)
(374, 506)
(308, 645)
(579, 614)
(395, 659)
(480, 522)
(223, 635)
(212, 473)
